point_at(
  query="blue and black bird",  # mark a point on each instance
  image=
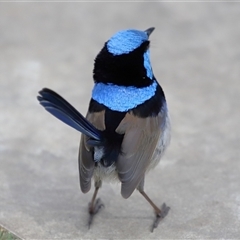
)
(127, 127)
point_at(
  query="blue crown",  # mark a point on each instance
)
(126, 41)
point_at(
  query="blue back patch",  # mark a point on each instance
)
(121, 98)
(126, 41)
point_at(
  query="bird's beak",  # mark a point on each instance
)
(149, 31)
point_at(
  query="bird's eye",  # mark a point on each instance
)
(147, 46)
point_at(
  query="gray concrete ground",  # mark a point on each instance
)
(196, 57)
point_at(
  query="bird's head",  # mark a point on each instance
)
(124, 60)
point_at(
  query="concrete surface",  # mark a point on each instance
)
(196, 57)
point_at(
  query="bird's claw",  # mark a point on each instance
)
(93, 210)
(159, 216)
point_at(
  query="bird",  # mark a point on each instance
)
(127, 126)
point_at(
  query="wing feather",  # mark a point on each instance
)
(139, 142)
(85, 157)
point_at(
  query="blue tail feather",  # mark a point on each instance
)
(65, 112)
(56, 99)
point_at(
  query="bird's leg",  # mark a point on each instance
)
(160, 213)
(95, 205)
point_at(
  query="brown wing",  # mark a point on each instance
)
(85, 157)
(139, 142)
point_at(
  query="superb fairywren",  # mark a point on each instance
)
(127, 127)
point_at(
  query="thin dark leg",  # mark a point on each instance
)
(156, 209)
(92, 203)
(160, 213)
(95, 205)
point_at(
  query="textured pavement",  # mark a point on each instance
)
(195, 53)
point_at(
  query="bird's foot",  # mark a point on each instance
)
(93, 210)
(159, 216)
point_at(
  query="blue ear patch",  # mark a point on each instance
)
(147, 64)
(121, 98)
(126, 41)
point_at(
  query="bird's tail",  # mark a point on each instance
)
(65, 112)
